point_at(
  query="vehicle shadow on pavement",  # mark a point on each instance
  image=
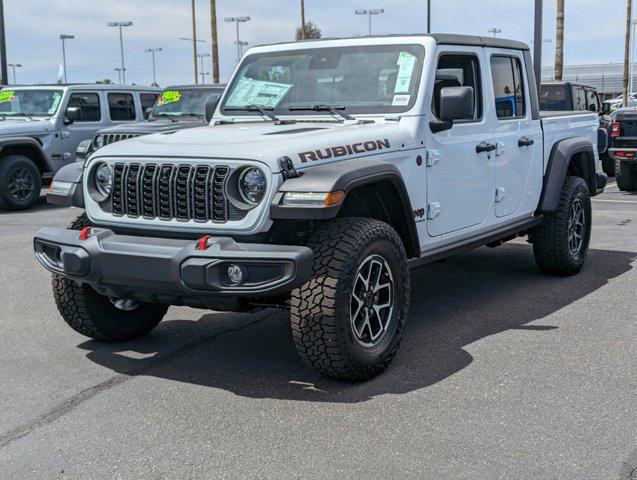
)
(454, 304)
(40, 205)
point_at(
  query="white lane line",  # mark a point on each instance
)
(613, 201)
(611, 184)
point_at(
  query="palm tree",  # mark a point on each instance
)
(629, 17)
(302, 19)
(214, 42)
(559, 42)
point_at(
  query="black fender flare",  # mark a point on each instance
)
(42, 161)
(561, 155)
(345, 176)
(66, 188)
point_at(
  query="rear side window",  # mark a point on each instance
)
(121, 106)
(592, 100)
(510, 101)
(458, 71)
(579, 99)
(148, 101)
(89, 104)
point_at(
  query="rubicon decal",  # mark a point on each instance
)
(344, 150)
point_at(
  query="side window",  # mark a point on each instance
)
(592, 100)
(89, 103)
(458, 71)
(148, 101)
(508, 86)
(579, 99)
(121, 106)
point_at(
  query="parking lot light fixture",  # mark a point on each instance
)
(64, 38)
(495, 31)
(119, 74)
(202, 57)
(121, 25)
(237, 21)
(14, 66)
(153, 51)
(369, 13)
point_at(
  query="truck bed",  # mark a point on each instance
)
(558, 126)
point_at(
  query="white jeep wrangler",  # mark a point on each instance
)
(329, 170)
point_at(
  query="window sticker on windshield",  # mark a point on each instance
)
(6, 96)
(169, 96)
(406, 64)
(257, 92)
(56, 102)
(401, 100)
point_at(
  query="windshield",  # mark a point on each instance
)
(39, 103)
(553, 98)
(177, 102)
(362, 79)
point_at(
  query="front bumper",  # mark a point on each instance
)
(171, 271)
(623, 154)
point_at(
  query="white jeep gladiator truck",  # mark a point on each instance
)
(329, 170)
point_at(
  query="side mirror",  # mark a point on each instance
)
(456, 103)
(211, 106)
(72, 114)
(148, 111)
(606, 108)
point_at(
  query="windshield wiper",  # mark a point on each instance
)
(336, 110)
(167, 115)
(264, 111)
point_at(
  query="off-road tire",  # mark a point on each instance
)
(320, 309)
(8, 166)
(94, 315)
(626, 176)
(80, 222)
(608, 165)
(551, 238)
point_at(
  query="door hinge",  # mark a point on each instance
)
(433, 157)
(500, 194)
(433, 211)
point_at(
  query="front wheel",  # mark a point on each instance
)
(20, 182)
(348, 320)
(560, 243)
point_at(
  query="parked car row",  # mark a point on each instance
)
(43, 128)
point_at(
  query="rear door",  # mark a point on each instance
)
(518, 137)
(460, 180)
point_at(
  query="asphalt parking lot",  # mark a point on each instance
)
(504, 373)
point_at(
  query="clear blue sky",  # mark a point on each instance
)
(593, 34)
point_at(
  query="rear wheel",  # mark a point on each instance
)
(20, 182)
(608, 165)
(348, 320)
(560, 243)
(626, 176)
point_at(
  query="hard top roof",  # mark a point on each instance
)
(205, 86)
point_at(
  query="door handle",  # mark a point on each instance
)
(485, 147)
(525, 142)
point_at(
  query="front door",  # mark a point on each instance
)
(518, 137)
(86, 127)
(460, 176)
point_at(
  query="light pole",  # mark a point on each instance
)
(494, 31)
(14, 66)
(3, 48)
(632, 62)
(537, 39)
(194, 41)
(237, 20)
(241, 45)
(428, 16)
(64, 38)
(369, 13)
(119, 75)
(120, 25)
(153, 51)
(202, 57)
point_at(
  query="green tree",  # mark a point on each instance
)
(312, 32)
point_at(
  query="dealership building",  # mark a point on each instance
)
(607, 78)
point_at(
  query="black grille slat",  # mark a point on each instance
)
(168, 192)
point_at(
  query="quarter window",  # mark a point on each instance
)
(121, 106)
(580, 99)
(592, 100)
(510, 101)
(89, 104)
(148, 101)
(458, 71)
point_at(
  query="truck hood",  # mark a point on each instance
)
(146, 127)
(24, 127)
(305, 143)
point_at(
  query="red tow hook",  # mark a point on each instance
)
(202, 243)
(86, 231)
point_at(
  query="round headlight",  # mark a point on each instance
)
(104, 179)
(252, 185)
(99, 141)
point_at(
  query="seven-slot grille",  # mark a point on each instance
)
(166, 191)
(117, 137)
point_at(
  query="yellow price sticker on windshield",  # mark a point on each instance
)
(169, 96)
(6, 96)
